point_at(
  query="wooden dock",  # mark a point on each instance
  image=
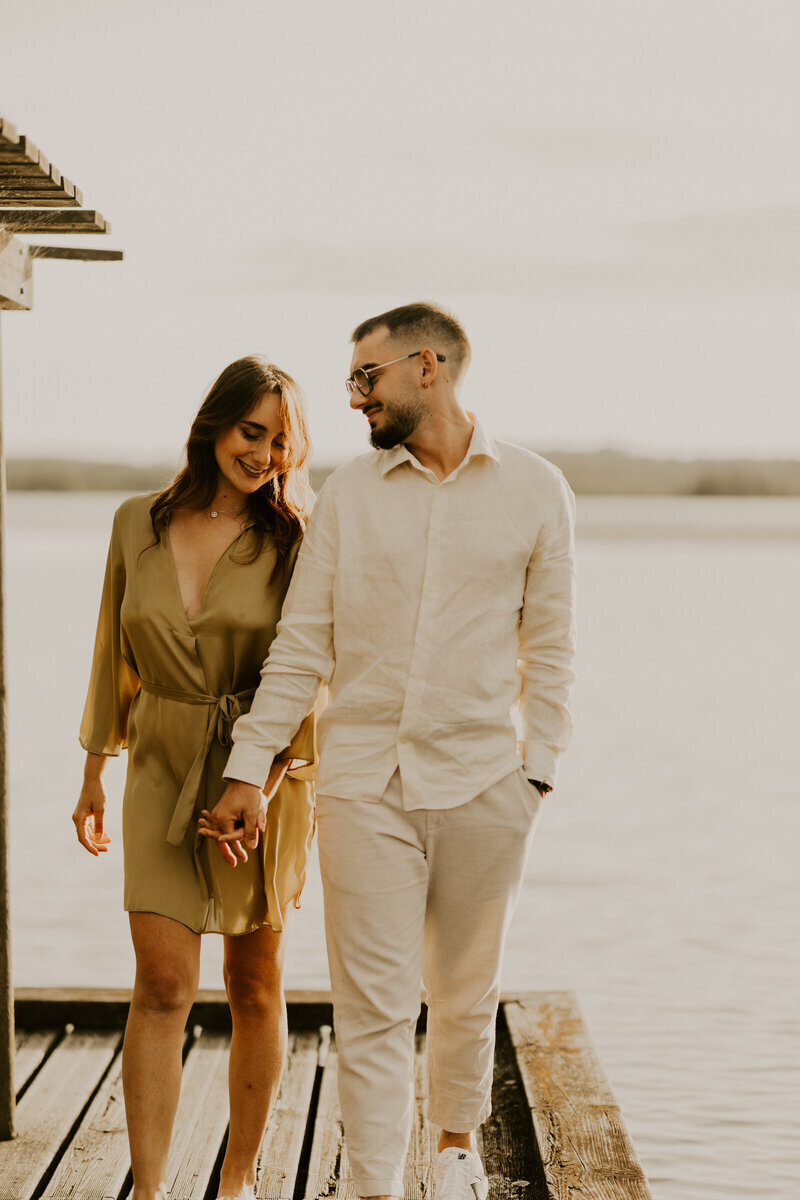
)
(555, 1132)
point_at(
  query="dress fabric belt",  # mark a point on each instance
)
(222, 712)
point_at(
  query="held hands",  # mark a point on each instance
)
(238, 817)
(88, 817)
(240, 814)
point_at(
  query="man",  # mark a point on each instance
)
(433, 593)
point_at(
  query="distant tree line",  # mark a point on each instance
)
(612, 472)
(605, 472)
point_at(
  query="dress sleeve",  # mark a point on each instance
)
(302, 750)
(113, 682)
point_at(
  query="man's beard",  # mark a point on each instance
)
(399, 425)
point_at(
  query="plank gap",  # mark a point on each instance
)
(56, 1039)
(50, 1171)
(301, 1179)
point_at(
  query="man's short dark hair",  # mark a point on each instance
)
(432, 326)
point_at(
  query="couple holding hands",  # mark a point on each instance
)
(432, 590)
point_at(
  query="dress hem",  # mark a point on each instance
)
(222, 932)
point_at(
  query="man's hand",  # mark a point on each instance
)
(238, 817)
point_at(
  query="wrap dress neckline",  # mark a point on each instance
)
(167, 540)
(223, 710)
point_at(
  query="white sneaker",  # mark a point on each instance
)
(459, 1175)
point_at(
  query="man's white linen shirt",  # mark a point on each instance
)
(432, 609)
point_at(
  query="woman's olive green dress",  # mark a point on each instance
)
(170, 689)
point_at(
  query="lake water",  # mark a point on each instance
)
(663, 886)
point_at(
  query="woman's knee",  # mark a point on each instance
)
(254, 990)
(167, 963)
(164, 987)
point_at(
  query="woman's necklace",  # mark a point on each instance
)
(227, 512)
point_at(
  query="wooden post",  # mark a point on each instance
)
(7, 1129)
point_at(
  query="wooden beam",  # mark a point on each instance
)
(57, 220)
(104, 1008)
(22, 148)
(27, 183)
(24, 169)
(583, 1144)
(7, 1092)
(76, 252)
(42, 199)
(16, 272)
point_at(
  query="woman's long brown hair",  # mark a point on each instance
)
(279, 508)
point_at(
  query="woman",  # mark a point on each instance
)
(193, 591)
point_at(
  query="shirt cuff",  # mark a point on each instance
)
(302, 750)
(540, 763)
(248, 764)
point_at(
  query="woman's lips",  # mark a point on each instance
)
(253, 472)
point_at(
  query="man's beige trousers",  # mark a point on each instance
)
(416, 896)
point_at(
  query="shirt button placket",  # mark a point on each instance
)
(412, 721)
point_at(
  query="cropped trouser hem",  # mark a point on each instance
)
(379, 1187)
(459, 1122)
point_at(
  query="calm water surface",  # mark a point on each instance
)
(663, 883)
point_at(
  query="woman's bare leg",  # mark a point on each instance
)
(254, 981)
(167, 971)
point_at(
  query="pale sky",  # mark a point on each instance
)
(606, 192)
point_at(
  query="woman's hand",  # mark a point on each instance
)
(240, 815)
(91, 807)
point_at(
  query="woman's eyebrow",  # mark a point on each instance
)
(254, 425)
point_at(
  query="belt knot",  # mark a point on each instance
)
(223, 711)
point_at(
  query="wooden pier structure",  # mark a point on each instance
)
(34, 198)
(555, 1132)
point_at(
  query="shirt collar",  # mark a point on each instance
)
(480, 445)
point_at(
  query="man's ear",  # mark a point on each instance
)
(429, 367)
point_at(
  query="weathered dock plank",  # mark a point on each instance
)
(328, 1167)
(30, 1049)
(202, 1117)
(584, 1147)
(96, 1161)
(50, 1108)
(279, 1158)
(506, 1140)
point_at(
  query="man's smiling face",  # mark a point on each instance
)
(395, 405)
